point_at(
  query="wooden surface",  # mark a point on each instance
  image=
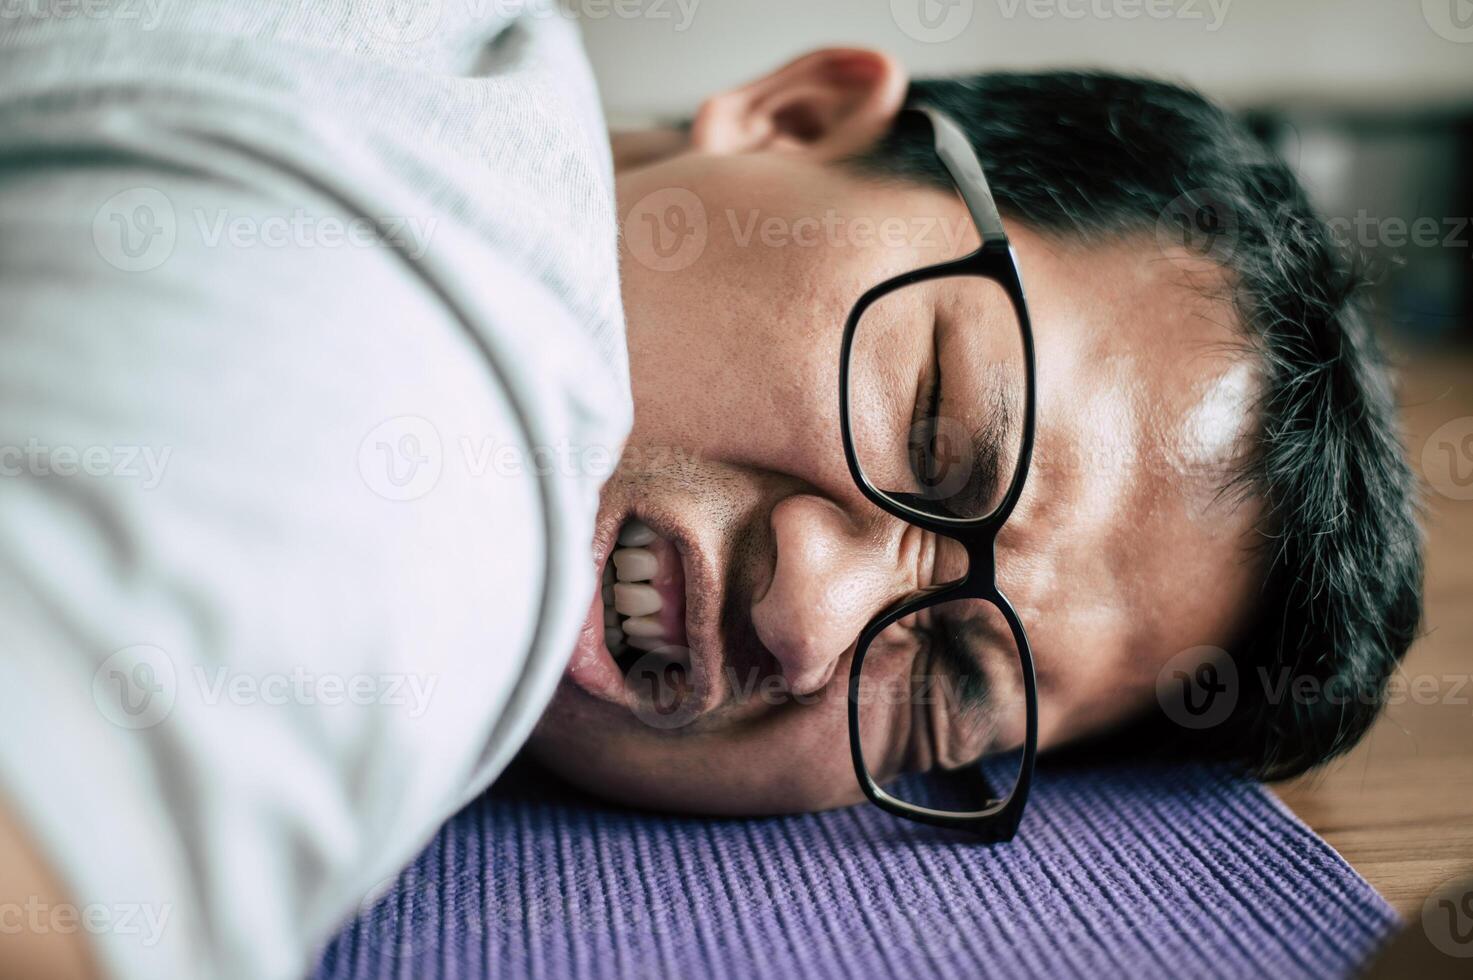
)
(1399, 807)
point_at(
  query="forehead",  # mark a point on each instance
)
(1145, 405)
(1143, 368)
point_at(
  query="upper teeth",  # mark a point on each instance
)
(636, 599)
(631, 607)
(636, 535)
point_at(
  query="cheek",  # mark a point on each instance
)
(752, 383)
(1088, 696)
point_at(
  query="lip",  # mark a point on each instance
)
(593, 669)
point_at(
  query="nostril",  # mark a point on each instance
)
(804, 643)
(807, 674)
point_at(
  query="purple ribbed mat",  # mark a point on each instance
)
(1139, 871)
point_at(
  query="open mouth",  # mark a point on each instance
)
(633, 649)
(644, 598)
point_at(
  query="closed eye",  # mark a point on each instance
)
(923, 423)
(953, 644)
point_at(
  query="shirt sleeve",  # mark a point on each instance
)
(284, 576)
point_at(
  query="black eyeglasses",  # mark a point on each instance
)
(936, 385)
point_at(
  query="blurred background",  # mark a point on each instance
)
(1371, 101)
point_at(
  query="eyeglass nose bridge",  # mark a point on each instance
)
(980, 580)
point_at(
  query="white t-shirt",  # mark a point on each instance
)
(311, 366)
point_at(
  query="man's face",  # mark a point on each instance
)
(766, 561)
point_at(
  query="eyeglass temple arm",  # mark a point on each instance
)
(956, 152)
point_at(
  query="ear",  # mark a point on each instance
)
(828, 104)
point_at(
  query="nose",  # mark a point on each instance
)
(830, 577)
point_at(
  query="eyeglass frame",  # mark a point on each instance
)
(994, 260)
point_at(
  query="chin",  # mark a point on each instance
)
(644, 771)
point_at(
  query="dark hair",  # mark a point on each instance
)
(1090, 155)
